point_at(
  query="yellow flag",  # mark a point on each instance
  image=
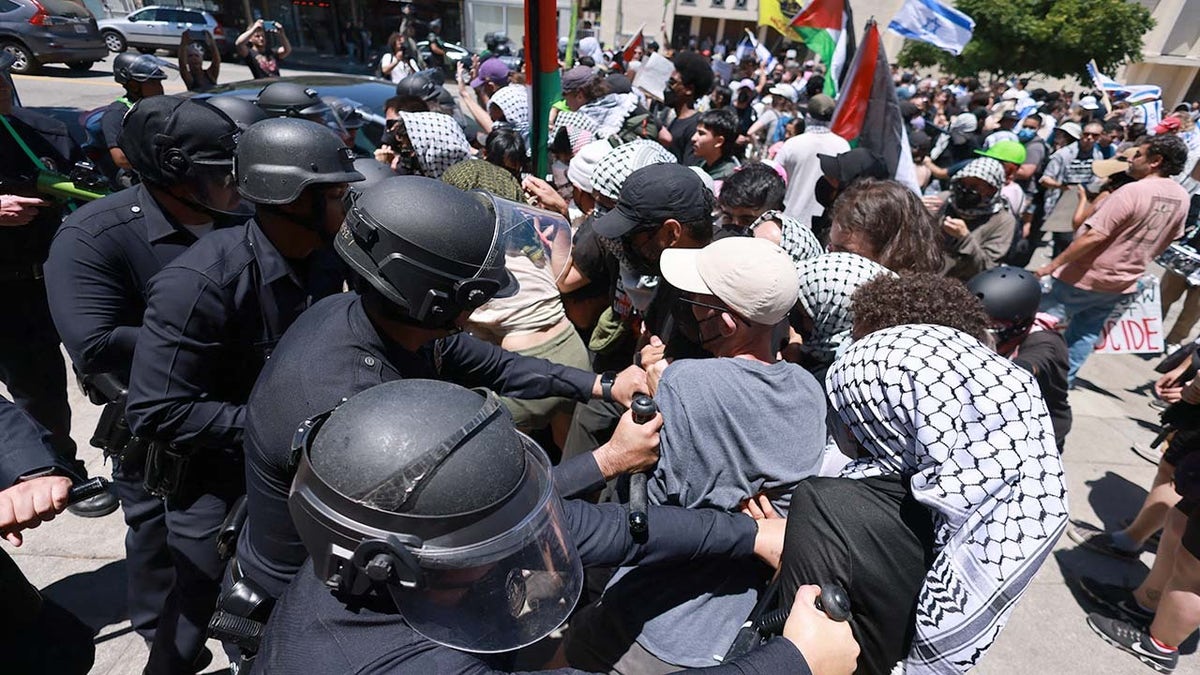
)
(778, 15)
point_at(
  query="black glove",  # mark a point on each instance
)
(1181, 415)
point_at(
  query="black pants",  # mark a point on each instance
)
(147, 560)
(31, 365)
(214, 481)
(871, 537)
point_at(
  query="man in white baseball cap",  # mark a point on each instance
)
(744, 423)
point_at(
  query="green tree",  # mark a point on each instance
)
(1051, 37)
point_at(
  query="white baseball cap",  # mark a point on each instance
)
(752, 276)
(785, 90)
(1089, 103)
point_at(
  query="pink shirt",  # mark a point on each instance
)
(1140, 220)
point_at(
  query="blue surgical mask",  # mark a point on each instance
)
(1025, 135)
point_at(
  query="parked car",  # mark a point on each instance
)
(153, 28)
(49, 31)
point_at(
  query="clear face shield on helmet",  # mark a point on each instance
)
(346, 117)
(536, 239)
(489, 581)
(214, 187)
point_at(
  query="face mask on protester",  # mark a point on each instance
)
(1026, 135)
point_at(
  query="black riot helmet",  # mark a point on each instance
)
(242, 111)
(1010, 296)
(287, 99)
(424, 492)
(428, 248)
(277, 158)
(373, 171)
(418, 85)
(137, 68)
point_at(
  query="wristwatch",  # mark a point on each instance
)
(606, 384)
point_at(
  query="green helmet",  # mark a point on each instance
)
(1011, 152)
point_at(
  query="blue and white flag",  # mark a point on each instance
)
(1134, 94)
(745, 48)
(931, 21)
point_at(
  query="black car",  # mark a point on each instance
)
(49, 31)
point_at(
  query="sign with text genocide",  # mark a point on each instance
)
(1135, 327)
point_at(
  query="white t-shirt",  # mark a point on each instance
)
(398, 73)
(798, 156)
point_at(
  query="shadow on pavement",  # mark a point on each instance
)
(1114, 498)
(1081, 383)
(52, 70)
(98, 597)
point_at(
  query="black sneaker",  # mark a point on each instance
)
(1116, 598)
(1095, 539)
(1129, 639)
(95, 507)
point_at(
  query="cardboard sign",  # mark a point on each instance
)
(1135, 327)
(653, 75)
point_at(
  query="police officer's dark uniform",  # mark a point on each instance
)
(213, 316)
(31, 365)
(100, 263)
(131, 71)
(438, 544)
(36, 635)
(336, 349)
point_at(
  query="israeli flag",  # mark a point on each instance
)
(935, 23)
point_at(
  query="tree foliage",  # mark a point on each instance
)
(1052, 37)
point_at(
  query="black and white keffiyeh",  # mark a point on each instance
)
(826, 284)
(616, 165)
(581, 129)
(513, 101)
(797, 240)
(969, 431)
(437, 139)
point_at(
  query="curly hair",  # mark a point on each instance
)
(694, 71)
(894, 221)
(918, 297)
(1170, 147)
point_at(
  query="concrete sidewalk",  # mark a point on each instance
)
(79, 564)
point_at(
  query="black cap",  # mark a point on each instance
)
(1012, 115)
(653, 194)
(153, 125)
(856, 163)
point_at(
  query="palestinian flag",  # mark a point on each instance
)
(631, 46)
(827, 28)
(868, 111)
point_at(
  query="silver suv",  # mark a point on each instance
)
(152, 28)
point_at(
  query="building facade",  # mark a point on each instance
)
(1170, 51)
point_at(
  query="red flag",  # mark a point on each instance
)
(631, 46)
(855, 96)
(868, 110)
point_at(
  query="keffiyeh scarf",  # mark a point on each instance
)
(609, 112)
(616, 165)
(513, 101)
(797, 240)
(826, 284)
(969, 431)
(581, 129)
(437, 140)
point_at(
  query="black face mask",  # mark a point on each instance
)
(637, 262)
(670, 98)
(825, 192)
(965, 198)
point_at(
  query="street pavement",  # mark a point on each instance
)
(79, 562)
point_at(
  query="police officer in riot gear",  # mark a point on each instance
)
(141, 76)
(242, 111)
(438, 544)
(31, 365)
(100, 263)
(425, 255)
(287, 99)
(213, 315)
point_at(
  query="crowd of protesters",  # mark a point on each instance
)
(863, 384)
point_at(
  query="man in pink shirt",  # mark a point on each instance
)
(1111, 249)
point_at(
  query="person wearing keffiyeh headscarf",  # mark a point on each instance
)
(827, 283)
(956, 498)
(977, 223)
(511, 104)
(436, 142)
